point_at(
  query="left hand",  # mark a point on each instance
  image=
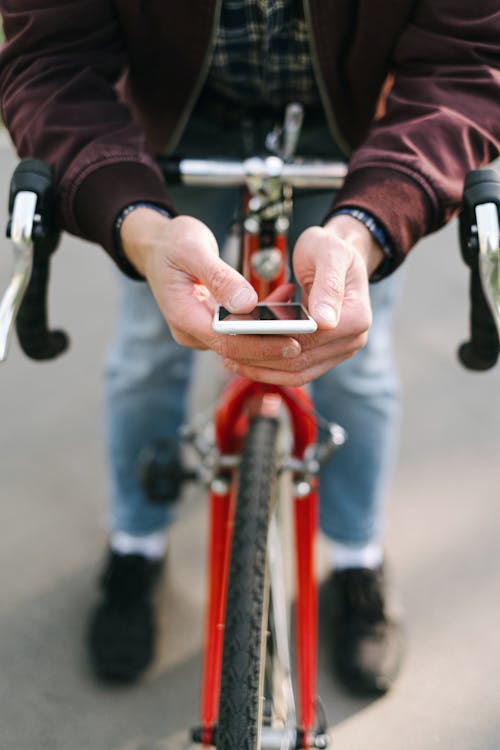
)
(332, 265)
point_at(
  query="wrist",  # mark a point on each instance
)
(359, 237)
(379, 235)
(139, 231)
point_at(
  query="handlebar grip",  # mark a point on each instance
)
(170, 168)
(482, 350)
(35, 338)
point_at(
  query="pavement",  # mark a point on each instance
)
(443, 539)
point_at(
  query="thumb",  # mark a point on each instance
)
(326, 295)
(228, 287)
(194, 251)
(340, 287)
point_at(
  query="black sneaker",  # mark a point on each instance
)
(121, 635)
(367, 639)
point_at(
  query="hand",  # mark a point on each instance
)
(332, 265)
(180, 259)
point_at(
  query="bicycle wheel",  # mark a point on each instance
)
(254, 651)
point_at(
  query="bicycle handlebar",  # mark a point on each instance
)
(35, 237)
(480, 247)
(305, 174)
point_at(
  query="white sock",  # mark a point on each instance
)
(342, 556)
(153, 546)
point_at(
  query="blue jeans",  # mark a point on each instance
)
(147, 373)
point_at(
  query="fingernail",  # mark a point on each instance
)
(327, 314)
(291, 350)
(242, 297)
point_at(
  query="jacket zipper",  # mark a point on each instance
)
(176, 135)
(318, 73)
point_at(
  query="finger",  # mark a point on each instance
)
(256, 349)
(197, 255)
(326, 294)
(320, 268)
(330, 351)
(354, 322)
(284, 377)
(329, 271)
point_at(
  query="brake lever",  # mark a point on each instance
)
(283, 140)
(292, 125)
(480, 246)
(21, 233)
(488, 234)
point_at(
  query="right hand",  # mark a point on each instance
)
(180, 260)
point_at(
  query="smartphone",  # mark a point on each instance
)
(267, 317)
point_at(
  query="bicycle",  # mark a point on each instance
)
(243, 469)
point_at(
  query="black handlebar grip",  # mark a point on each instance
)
(35, 338)
(483, 348)
(170, 167)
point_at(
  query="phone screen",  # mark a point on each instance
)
(270, 311)
(266, 317)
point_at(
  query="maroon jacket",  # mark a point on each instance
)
(62, 62)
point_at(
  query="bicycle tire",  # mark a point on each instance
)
(247, 607)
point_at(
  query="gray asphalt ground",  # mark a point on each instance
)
(443, 538)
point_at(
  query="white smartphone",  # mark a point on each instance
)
(267, 317)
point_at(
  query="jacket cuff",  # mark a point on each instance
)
(105, 193)
(395, 200)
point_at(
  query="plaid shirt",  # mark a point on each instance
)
(262, 54)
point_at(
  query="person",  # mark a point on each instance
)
(408, 91)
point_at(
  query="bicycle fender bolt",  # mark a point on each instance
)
(252, 225)
(321, 741)
(302, 488)
(219, 486)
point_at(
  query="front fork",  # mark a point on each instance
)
(231, 422)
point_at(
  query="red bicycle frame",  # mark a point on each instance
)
(243, 398)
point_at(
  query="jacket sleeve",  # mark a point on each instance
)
(442, 119)
(58, 70)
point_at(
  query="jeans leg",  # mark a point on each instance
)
(147, 378)
(362, 394)
(147, 375)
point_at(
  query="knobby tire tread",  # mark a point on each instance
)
(241, 668)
